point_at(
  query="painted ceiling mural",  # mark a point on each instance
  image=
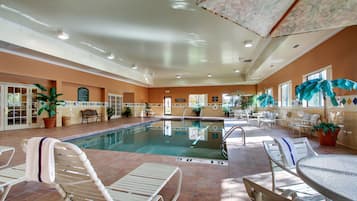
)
(285, 17)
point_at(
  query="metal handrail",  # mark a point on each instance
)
(230, 131)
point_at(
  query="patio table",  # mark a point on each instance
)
(334, 176)
(4, 149)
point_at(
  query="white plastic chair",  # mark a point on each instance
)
(77, 180)
(279, 163)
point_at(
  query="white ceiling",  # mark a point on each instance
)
(163, 42)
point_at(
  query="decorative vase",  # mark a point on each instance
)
(50, 122)
(329, 138)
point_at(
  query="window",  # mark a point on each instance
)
(317, 99)
(197, 100)
(229, 100)
(284, 94)
(269, 91)
(115, 101)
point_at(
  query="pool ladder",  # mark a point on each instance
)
(227, 134)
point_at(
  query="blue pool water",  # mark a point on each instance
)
(188, 138)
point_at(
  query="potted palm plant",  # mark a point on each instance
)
(197, 110)
(110, 112)
(48, 102)
(265, 100)
(327, 131)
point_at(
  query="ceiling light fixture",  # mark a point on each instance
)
(62, 35)
(203, 60)
(111, 56)
(178, 76)
(209, 75)
(134, 67)
(248, 43)
(181, 5)
(236, 71)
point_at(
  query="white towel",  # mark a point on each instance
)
(40, 160)
(287, 149)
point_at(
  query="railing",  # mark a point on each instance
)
(230, 131)
(184, 112)
(227, 134)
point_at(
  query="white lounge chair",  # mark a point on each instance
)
(260, 193)
(9, 177)
(77, 180)
(278, 162)
(4, 149)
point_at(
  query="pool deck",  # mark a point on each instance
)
(200, 181)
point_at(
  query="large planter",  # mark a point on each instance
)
(329, 138)
(50, 122)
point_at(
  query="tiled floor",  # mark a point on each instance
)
(200, 181)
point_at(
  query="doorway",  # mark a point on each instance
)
(167, 105)
(18, 106)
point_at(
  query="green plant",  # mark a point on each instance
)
(248, 102)
(110, 112)
(309, 88)
(48, 102)
(265, 100)
(326, 127)
(197, 110)
(147, 109)
(127, 112)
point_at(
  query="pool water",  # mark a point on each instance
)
(187, 138)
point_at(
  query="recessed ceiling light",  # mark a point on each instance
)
(209, 75)
(178, 76)
(134, 67)
(62, 35)
(203, 60)
(248, 43)
(181, 5)
(296, 46)
(236, 71)
(111, 56)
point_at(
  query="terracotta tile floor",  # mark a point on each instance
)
(200, 181)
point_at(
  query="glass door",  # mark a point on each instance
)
(2, 107)
(20, 107)
(167, 105)
(115, 101)
(16, 113)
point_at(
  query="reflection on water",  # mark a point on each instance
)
(188, 138)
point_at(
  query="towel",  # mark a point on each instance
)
(287, 149)
(40, 160)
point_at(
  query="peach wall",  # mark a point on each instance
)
(156, 95)
(339, 51)
(33, 70)
(70, 91)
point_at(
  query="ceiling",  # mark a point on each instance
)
(163, 38)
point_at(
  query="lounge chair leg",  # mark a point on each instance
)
(6, 191)
(178, 186)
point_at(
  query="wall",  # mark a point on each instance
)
(156, 97)
(341, 53)
(17, 69)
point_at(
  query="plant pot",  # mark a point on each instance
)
(329, 138)
(50, 122)
(66, 121)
